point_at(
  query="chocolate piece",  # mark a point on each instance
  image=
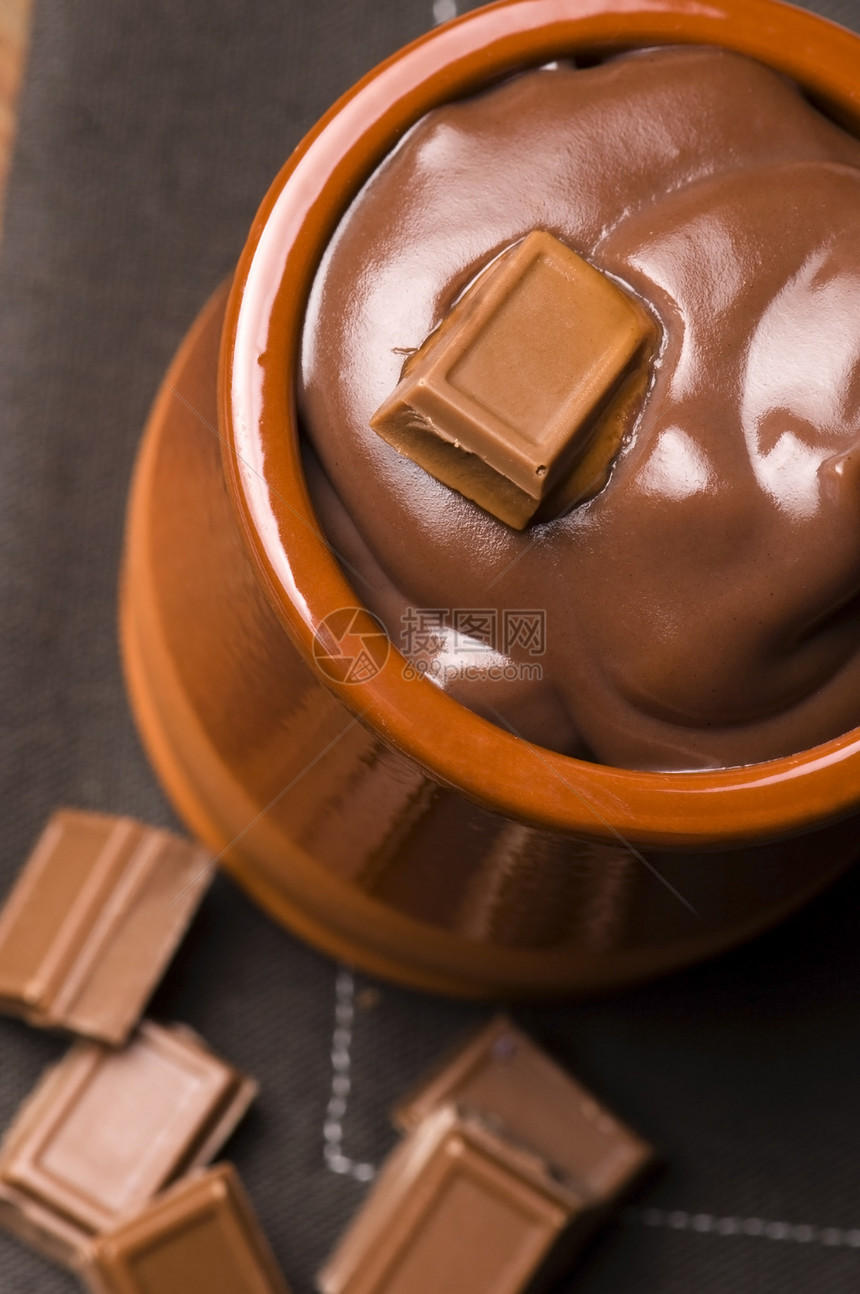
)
(506, 1076)
(458, 1208)
(41, 1228)
(93, 920)
(200, 1237)
(506, 394)
(105, 1130)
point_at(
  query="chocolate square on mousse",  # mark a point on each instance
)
(457, 1208)
(506, 397)
(105, 1130)
(199, 1237)
(92, 921)
(502, 1073)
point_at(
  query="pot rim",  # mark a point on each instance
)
(260, 435)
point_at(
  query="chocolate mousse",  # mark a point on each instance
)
(702, 607)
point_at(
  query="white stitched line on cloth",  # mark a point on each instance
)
(670, 1219)
(341, 1082)
(710, 1223)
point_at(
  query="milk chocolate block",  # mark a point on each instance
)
(41, 1228)
(457, 1210)
(93, 920)
(105, 1130)
(200, 1237)
(503, 1074)
(505, 396)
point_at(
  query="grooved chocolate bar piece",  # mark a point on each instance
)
(41, 1228)
(503, 1074)
(105, 1130)
(200, 1237)
(93, 920)
(510, 393)
(457, 1210)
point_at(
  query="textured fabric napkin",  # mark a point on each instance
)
(149, 132)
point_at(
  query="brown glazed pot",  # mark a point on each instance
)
(382, 820)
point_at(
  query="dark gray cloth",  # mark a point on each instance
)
(148, 134)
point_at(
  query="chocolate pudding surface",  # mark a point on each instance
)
(703, 609)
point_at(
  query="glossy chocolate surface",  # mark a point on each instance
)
(702, 609)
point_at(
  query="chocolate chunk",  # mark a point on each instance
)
(512, 392)
(200, 1237)
(93, 920)
(507, 1077)
(105, 1130)
(41, 1228)
(457, 1208)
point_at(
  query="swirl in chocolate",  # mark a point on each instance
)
(703, 609)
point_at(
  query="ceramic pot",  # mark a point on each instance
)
(374, 815)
